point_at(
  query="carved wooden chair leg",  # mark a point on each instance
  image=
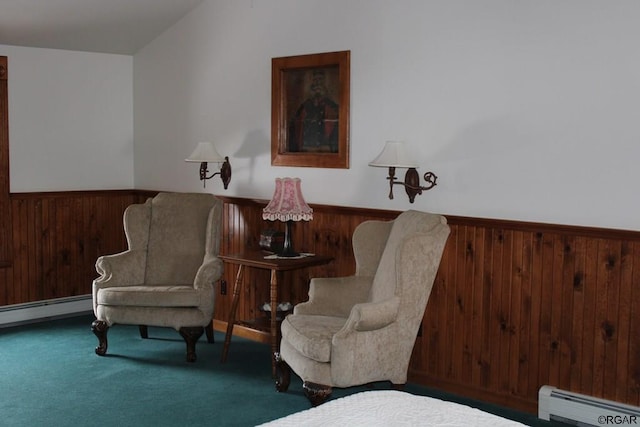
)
(316, 393)
(209, 330)
(191, 336)
(283, 373)
(100, 329)
(144, 331)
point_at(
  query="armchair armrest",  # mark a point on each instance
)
(335, 296)
(210, 271)
(373, 315)
(122, 269)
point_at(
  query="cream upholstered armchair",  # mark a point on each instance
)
(166, 277)
(362, 328)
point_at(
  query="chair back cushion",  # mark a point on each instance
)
(177, 237)
(406, 225)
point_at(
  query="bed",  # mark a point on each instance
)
(391, 408)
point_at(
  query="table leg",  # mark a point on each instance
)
(274, 322)
(232, 314)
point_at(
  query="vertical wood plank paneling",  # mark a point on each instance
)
(48, 252)
(554, 281)
(589, 316)
(77, 246)
(610, 328)
(633, 353)
(485, 322)
(55, 217)
(565, 333)
(599, 352)
(34, 219)
(514, 305)
(477, 331)
(536, 310)
(90, 250)
(546, 309)
(19, 292)
(494, 367)
(513, 361)
(504, 315)
(525, 326)
(466, 306)
(624, 320)
(64, 236)
(451, 328)
(56, 238)
(577, 282)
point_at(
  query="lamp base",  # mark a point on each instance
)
(287, 247)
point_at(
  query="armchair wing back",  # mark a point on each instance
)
(178, 242)
(166, 277)
(362, 328)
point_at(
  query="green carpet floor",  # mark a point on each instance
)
(50, 376)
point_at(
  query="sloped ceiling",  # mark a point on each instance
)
(106, 26)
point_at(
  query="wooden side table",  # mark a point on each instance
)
(257, 259)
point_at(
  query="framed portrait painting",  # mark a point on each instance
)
(310, 110)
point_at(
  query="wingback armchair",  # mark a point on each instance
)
(362, 328)
(166, 277)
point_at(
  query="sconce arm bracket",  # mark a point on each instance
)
(411, 182)
(225, 172)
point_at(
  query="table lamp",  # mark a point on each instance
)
(287, 205)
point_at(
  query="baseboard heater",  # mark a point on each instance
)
(11, 315)
(581, 410)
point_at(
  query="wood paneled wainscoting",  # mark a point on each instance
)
(515, 305)
(56, 238)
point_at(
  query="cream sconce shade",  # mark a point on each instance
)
(393, 156)
(206, 153)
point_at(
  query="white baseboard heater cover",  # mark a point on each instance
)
(582, 410)
(30, 312)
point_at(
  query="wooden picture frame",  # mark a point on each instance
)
(310, 110)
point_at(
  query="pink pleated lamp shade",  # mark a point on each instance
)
(287, 203)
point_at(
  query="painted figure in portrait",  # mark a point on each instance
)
(313, 112)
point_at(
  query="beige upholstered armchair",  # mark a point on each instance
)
(361, 329)
(166, 277)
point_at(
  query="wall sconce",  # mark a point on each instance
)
(393, 156)
(205, 153)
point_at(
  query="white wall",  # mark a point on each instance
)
(70, 120)
(526, 110)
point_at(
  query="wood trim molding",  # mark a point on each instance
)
(5, 211)
(75, 194)
(594, 232)
(4, 73)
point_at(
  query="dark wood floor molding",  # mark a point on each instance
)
(515, 305)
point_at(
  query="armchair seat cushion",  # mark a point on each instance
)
(150, 296)
(311, 335)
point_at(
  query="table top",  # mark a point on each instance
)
(256, 258)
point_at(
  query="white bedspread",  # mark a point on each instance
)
(391, 408)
